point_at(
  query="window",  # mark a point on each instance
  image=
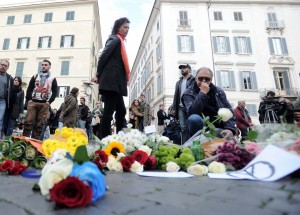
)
(23, 43)
(225, 79)
(19, 69)
(251, 109)
(67, 41)
(40, 66)
(238, 16)
(48, 17)
(10, 20)
(183, 18)
(218, 16)
(27, 18)
(158, 53)
(62, 91)
(44, 42)
(185, 43)
(159, 83)
(6, 44)
(65, 67)
(242, 45)
(70, 15)
(248, 80)
(277, 46)
(282, 80)
(157, 26)
(221, 44)
(272, 20)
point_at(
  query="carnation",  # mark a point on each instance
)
(225, 114)
(197, 169)
(216, 167)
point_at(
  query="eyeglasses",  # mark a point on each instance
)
(206, 79)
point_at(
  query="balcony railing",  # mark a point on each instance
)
(274, 25)
(184, 23)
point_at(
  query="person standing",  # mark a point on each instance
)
(161, 117)
(185, 81)
(82, 113)
(6, 89)
(145, 119)
(243, 119)
(113, 74)
(53, 120)
(41, 92)
(69, 111)
(135, 114)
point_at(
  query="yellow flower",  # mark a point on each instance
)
(113, 148)
(57, 132)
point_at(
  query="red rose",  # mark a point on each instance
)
(140, 156)
(15, 170)
(102, 155)
(99, 163)
(150, 163)
(71, 192)
(127, 162)
(6, 165)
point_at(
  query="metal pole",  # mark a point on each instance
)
(211, 42)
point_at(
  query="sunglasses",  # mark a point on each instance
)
(206, 79)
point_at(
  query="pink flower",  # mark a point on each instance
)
(252, 147)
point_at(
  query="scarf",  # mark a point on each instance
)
(124, 56)
(44, 76)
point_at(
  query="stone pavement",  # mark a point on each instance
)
(132, 194)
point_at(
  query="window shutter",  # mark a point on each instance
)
(228, 45)
(19, 43)
(219, 78)
(192, 43)
(49, 42)
(179, 43)
(40, 42)
(232, 79)
(215, 16)
(271, 47)
(28, 42)
(236, 45)
(6, 44)
(215, 44)
(284, 46)
(249, 47)
(50, 17)
(275, 79)
(62, 38)
(72, 41)
(286, 82)
(221, 16)
(242, 80)
(254, 81)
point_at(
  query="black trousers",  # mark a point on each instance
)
(113, 102)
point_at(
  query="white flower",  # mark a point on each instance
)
(197, 169)
(216, 167)
(110, 163)
(172, 167)
(146, 149)
(163, 139)
(136, 167)
(118, 166)
(120, 155)
(54, 173)
(129, 125)
(225, 114)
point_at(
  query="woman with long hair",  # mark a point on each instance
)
(16, 109)
(113, 75)
(70, 109)
(134, 113)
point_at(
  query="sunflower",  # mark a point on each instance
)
(114, 148)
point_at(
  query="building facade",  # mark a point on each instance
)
(252, 47)
(65, 32)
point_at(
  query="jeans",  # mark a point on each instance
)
(81, 124)
(194, 124)
(10, 126)
(182, 115)
(2, 111)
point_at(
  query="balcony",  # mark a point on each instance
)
(274, 25)
(184, 23)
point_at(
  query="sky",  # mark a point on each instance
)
(137, 11)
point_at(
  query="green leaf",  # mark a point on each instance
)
(229, 168)
(213, 133)
(81, 155)
(252, 135)
(210, 125)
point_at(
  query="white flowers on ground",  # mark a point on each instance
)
(216, 167)
(137, 167)
(225, 114)
(172, 167)
(146, 149)
(197, 169)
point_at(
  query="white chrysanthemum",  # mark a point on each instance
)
(225, 114)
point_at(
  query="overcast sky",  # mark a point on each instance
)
(138, 12)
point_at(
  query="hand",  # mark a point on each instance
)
(48, 103)
(228, 134)
(95, 80)
(204, 87)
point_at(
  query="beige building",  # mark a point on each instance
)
(66, 32)
(252, 46)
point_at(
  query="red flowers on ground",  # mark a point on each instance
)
(12, 167)
(150, 163)
(71, 192)
(127, 163)
(140, 156)
(102, 155)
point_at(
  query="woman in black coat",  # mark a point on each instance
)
(16, 109)
(113, 75)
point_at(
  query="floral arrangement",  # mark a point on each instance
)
(66, 138)
(72, 181)
(22, 151)
(12, 167)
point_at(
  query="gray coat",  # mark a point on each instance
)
(69, 111)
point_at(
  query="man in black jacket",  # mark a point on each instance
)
(182, 84)
(41, 92)
(161, 116)
(83, 111)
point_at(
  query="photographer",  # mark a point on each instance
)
(274, 109)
